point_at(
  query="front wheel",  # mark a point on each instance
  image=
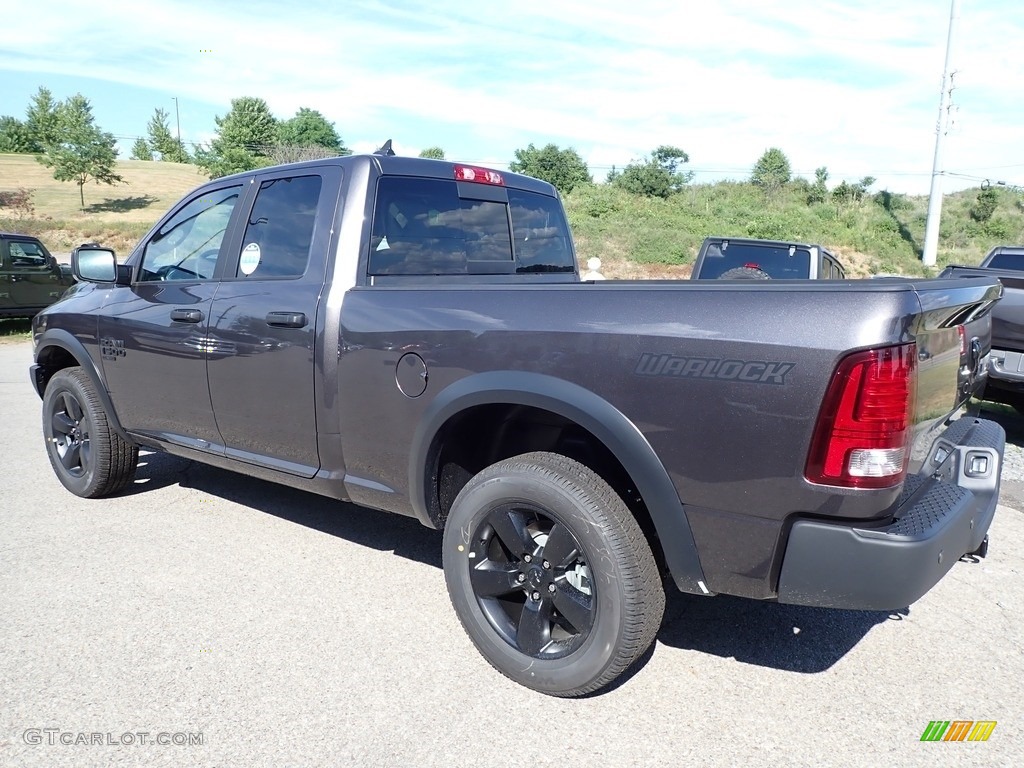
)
(88, 456)
(550, 574)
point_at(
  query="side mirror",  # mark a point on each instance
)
(94, 265)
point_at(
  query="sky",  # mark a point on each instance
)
(853, 85)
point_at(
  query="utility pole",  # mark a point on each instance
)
(177, 120)
(931, 234)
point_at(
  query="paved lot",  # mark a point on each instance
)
(291, 630)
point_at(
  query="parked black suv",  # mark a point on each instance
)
(735, 258)
(30, 278)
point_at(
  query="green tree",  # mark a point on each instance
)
(772, 171)
(228, 160)
(848, 194)
(309, 128)
(657, 176)
(435, 153)
(245, 137)
(564, 168)
(42, 119)
(141, 150)
(15, 136)
(79, 150)
(985, 205)
(818, 192)
(162, 141)
(289, 153)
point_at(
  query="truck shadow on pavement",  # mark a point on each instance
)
(383, 531)
(793, 638)
(785, 637)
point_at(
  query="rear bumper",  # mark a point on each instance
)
(943, 513)
(1006, 367)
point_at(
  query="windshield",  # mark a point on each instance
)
(775, 260)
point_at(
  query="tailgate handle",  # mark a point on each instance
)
(186, 315)
(286, 319)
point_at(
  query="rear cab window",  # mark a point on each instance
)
(424, 226)
(1007, 260)
(780, 262)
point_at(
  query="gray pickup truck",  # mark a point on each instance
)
(413, 335)
(1005, 367)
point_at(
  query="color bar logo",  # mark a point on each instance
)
(958, 730)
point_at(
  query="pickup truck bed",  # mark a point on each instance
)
(413, 335)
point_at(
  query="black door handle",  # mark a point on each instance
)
(286, 319)
(186, 315)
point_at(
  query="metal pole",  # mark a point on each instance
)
(931, 234)
(177, 120)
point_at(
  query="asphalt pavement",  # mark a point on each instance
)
(206, 618)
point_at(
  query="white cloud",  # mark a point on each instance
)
(847, 84)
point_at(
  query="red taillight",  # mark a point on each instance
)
(752, 265)
(862, 436)
(963, 340)
(479, 175)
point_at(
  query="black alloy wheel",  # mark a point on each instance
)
(531, 580)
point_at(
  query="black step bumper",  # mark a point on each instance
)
(943, 513)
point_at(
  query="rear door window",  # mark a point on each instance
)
(279, 233)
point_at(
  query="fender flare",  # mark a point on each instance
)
(58, 337)
(593, 413)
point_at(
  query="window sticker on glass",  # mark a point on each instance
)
(250, 258)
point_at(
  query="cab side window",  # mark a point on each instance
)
(280, 230)
(187, 246)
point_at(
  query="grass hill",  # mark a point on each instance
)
(116, 215)
(634, 236)
(883, 233)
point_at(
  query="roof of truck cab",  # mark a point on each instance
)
(398, 165)
(770, 243)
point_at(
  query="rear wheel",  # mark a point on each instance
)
(551, 575)
(88, 456)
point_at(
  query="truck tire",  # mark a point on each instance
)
(88, 456)
(551, 575)
(745, 273)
